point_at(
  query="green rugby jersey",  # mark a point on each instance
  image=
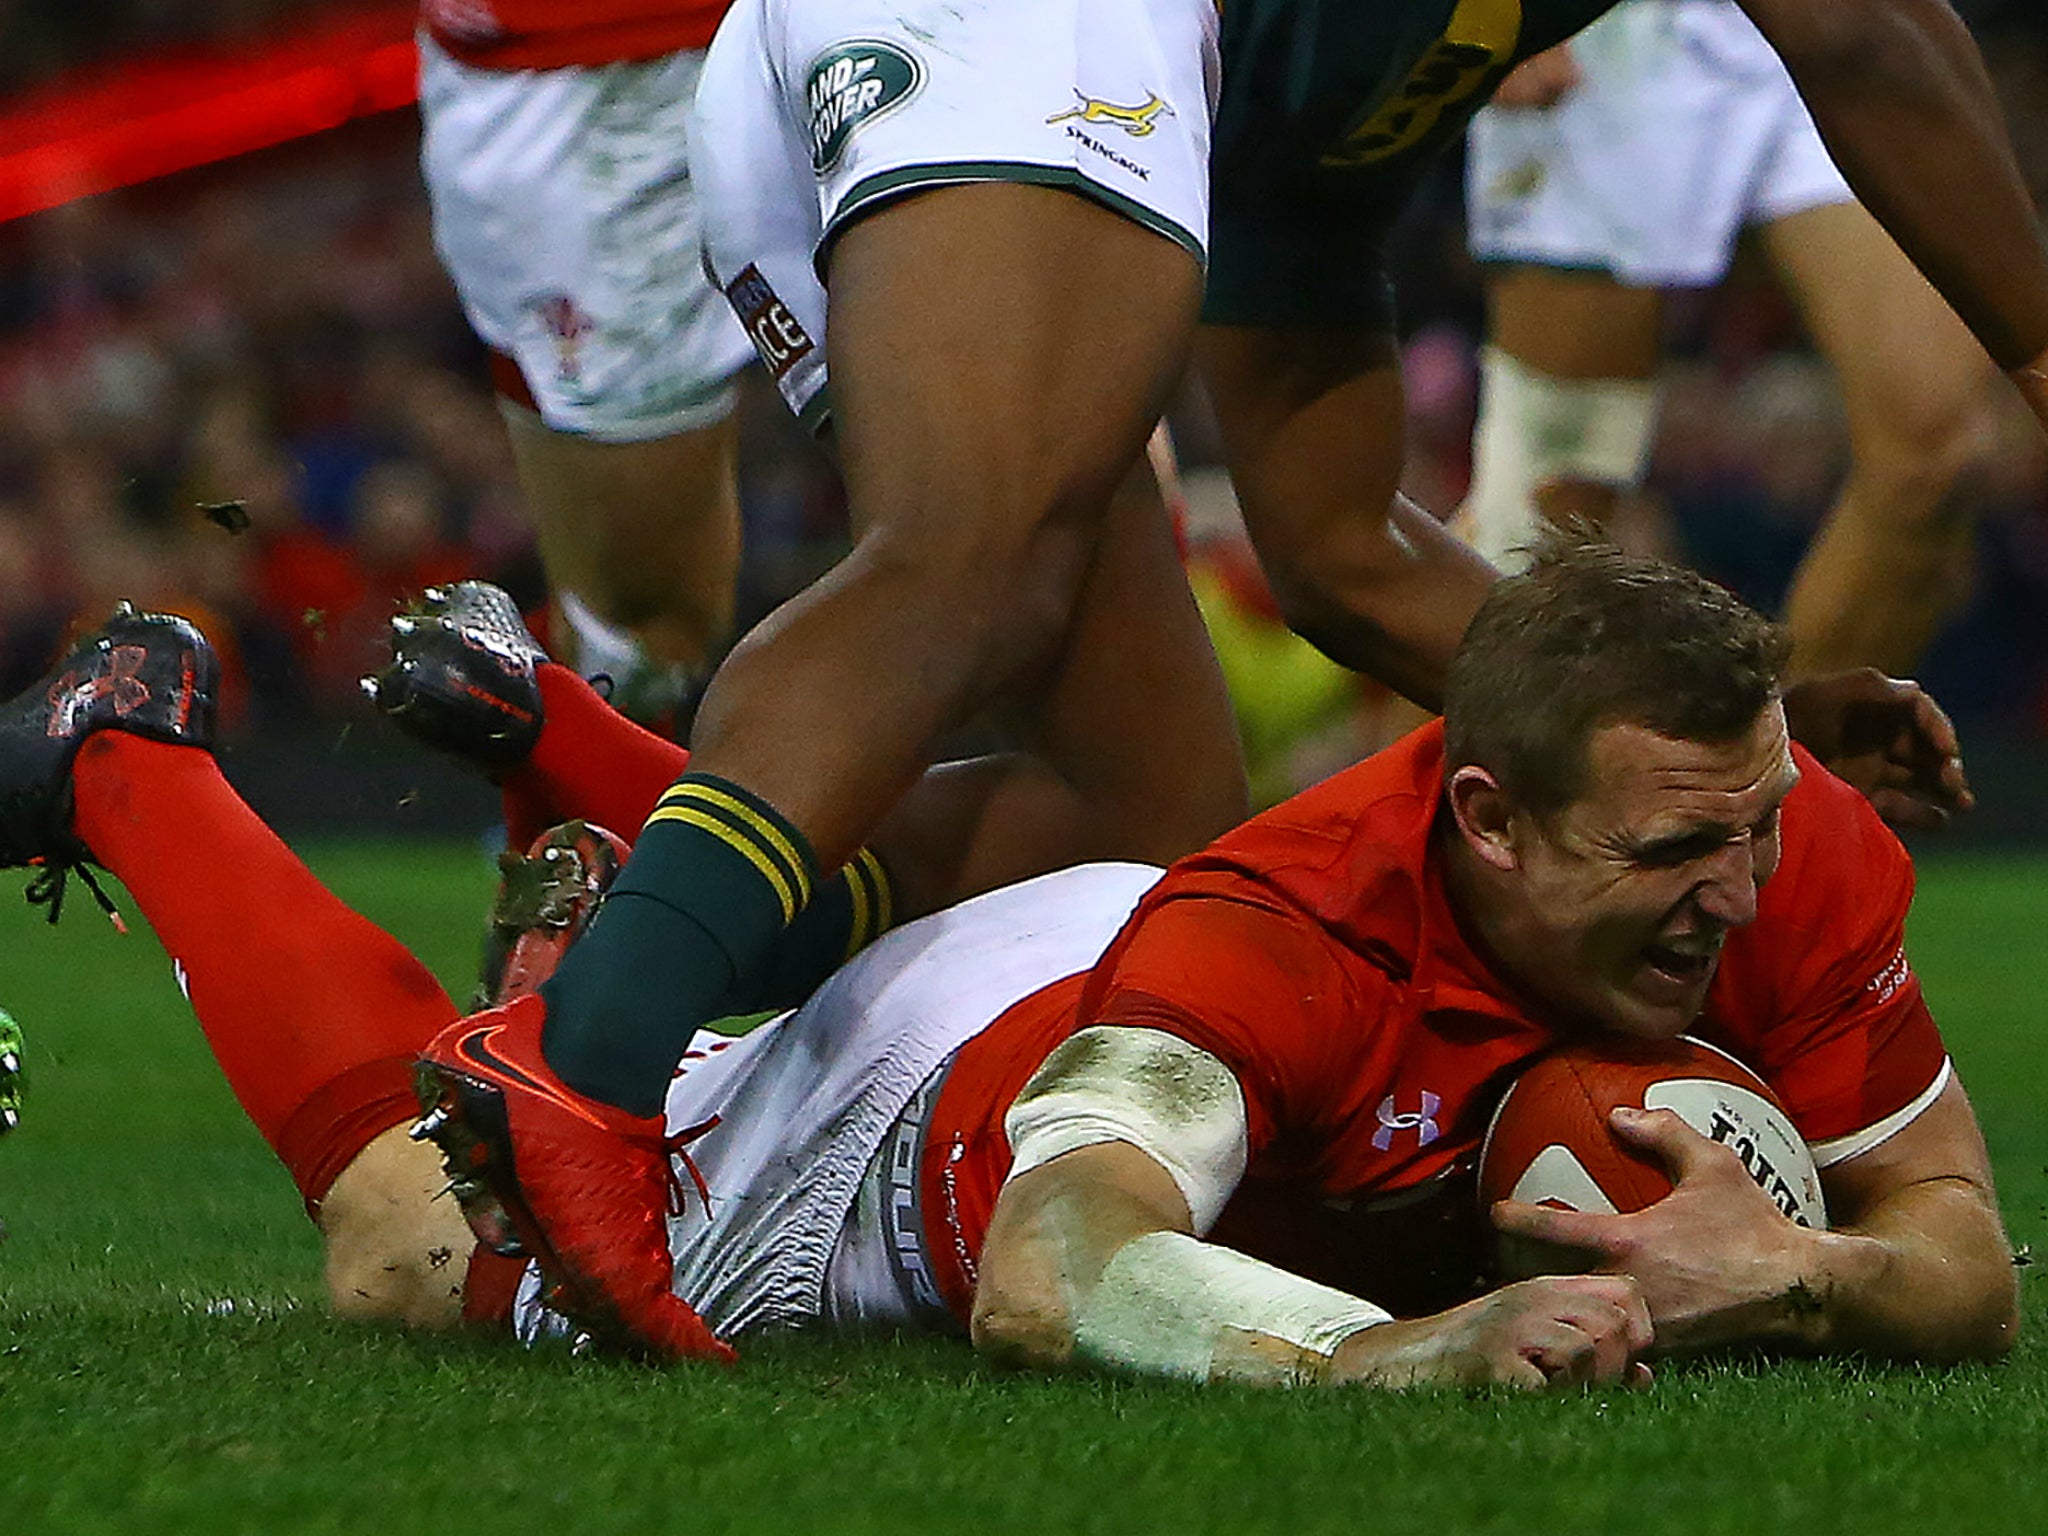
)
(1330, 110)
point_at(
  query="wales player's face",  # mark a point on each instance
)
(1626, 896)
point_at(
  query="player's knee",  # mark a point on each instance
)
(1004, 595)
(394, 1252)
(1921, 454)
(1021, 1331)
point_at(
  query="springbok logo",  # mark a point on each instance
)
(1139, 121)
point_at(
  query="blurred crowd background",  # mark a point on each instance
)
(269, 342)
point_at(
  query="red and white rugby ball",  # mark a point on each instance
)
(1550, 1143)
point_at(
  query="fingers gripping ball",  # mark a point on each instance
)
(1551, 1143)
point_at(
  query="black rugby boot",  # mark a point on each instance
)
(152, 674)
(461, 678)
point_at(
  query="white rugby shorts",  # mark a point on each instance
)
(565, 211)
(1685, 130)
(805, 1102)
(814, 111)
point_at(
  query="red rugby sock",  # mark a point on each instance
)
(314, 1013)
(590, 761)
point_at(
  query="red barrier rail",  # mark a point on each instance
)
(124, 123)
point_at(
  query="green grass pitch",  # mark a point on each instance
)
(165, 1365)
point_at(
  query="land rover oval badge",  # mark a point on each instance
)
(853, 83)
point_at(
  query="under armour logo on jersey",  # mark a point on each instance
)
(72, 695)
(1422, 1122)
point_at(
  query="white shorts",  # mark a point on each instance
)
(814, 111)
(564, 210)
(1685, 130)
(805, 1102)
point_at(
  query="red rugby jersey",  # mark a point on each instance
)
(553, 34)
(1313, 951)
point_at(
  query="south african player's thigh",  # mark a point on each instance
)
(816, 112)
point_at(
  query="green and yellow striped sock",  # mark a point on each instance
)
(716, 879)
(851, 910)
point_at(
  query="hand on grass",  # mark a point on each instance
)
(1560, 1331)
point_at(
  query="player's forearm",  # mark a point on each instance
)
(1927, 1276)
(1311, 421)
(1089, 1261)
(1391, 600)
(1900, 94)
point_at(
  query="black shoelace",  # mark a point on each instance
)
(47, 890)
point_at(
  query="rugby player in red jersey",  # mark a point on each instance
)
(1215, 1124)
(1009, 209)
(558, 149)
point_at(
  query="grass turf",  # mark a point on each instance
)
(165, 1365)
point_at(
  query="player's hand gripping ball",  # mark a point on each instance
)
(1550, 1142)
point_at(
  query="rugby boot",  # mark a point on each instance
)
(583, 1187)
(546, 897)
(11, 1077)
(461, 677)
(152, 674)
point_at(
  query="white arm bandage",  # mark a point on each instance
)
(1171, 1305)
(1173, 1101)
(1535, 428)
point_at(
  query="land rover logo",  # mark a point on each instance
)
(852, 83)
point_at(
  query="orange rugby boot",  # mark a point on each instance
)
(584, 1188)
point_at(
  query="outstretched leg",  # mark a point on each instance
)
(1891, 561)
(314, 1014)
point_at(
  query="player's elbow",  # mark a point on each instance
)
(1993, 1326)
(1023, 1330)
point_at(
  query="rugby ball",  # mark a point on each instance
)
(1550, 1143)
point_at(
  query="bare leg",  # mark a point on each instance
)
(999, 354)
(1574, 334)
(1128, 747)
(646, 534)
(1893, 556)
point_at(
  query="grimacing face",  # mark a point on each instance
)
(1615, 909)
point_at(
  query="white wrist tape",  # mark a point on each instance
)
(1171, 1100)
(1167, 1301)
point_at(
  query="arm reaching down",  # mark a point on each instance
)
(1128, 1140)
(1312, 424)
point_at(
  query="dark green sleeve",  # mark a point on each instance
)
(1329, 114)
